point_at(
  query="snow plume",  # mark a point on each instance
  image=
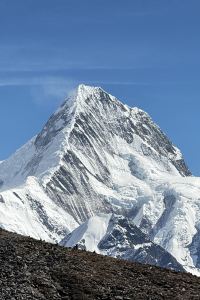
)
(51, 90)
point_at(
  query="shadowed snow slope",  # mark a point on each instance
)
(97, 155)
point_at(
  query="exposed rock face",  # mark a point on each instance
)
(96, 155)
(118, 236)
(36, 270)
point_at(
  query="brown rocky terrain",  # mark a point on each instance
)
(31, 269)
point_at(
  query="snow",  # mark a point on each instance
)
(91, 232)
(18, 214)
(139, 246)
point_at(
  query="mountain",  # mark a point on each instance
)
(36, 270)
(117, 236)
(97, 155)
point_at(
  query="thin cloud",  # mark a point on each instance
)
(51, 93)
(43, 90)
(33, 81)
(119, 83)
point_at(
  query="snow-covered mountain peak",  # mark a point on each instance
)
(84, 91)
(87, 121)
(97, 155)
(81, 98)
(89, 100)
(80, 95)
(90, 96)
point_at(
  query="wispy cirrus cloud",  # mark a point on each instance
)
(32, 80)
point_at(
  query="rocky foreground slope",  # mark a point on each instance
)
(32, 269)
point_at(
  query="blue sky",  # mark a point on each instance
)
(144, 52)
